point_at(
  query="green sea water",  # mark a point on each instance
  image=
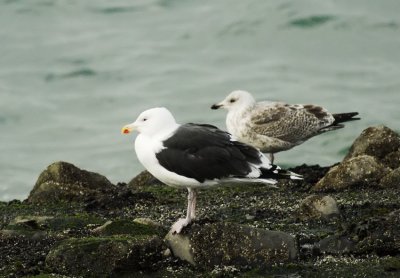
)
(73, 72)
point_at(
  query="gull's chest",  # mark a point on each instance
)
(146, 150)
(237, 124)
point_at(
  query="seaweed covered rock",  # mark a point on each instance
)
(391, 180)
(142, 179)
(359, 170)
(227, 244)
(378, 142)
(62, 181)
(379, 235)
(316, 207)
(105, 256)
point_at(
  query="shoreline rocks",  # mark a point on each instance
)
(76, 223)
(217, 244)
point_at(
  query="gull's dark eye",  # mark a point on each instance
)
(144, 119)
(232, 100)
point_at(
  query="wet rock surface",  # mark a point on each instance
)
(318, 206)
(218, 244)
(360, 170)
(105, 256)
(376, 141)
(62, 181)
(77, 224)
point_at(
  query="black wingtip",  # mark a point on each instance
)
(276, 173)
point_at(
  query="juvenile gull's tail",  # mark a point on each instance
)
(339, 119)
(344, 117)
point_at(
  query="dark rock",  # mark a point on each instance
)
(23, 256)
(316, 207)
(392, 160)
(391, 180)
(361, 170)
(63, 181)
(227, 244)
(143, 179)
(105, 256)
(115, 199)
(335, 245)
(376, 141)
(377, 235)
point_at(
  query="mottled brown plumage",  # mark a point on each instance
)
(276, 126)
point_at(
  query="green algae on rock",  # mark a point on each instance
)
(62, 181)
(105, 256)
(129, 227)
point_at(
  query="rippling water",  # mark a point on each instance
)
(73, 72)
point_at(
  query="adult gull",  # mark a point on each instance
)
(196, 156)
(277, 126)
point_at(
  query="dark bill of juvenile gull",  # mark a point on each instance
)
(195, 156)
(276, 126)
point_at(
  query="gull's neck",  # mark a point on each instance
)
(235, 116)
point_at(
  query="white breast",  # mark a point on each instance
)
(236, 124)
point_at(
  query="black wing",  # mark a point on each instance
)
(204, 152)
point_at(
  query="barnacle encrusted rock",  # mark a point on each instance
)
(376, 141)
(63, 181)
(316, 206)
(227, 244)
(391, 180)
(359, 170)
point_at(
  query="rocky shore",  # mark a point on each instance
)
(340, 221)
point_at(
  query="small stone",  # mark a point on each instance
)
(25, 219)
(101, 228)
(316, 207)
(147, 221)
(250, 217)
(167, 253)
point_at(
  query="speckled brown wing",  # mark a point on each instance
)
(290, 123)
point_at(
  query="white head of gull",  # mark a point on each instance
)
(276, 126)
(197, 155)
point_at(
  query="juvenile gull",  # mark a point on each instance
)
(276, 126)
(197, 155)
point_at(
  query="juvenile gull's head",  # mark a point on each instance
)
(236, 100)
